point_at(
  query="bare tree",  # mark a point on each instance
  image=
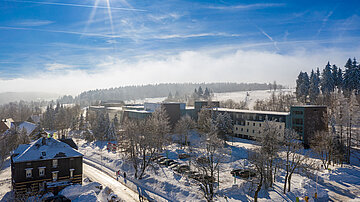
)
(208, 165)
(258, 159)
(294, 159)
(322, 144)
(270, 146)
(143, 139)
(183, 126)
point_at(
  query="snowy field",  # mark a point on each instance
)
(341, 184)
(249, 96)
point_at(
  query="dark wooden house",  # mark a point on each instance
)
(45, 165)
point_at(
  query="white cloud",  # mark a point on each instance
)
(58, 66)
(249, 6)
(34, 23)
(188, 66)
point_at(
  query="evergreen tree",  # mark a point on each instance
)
(302, 86)
(327, 80)
(335, 74)
(340, 79)
(200, 92)
(206, 93)
(314, 87)
(351, 77)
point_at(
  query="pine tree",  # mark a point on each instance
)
(327, 80)
(206, 93)
(340, 79)
(314, 87)
(335, 75)
(302, 87)
(200, 92)
(350, 82)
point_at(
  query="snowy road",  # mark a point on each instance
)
(119, 189)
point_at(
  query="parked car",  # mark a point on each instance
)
(183, 168)
(243, 173)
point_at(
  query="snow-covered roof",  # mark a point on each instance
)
(138, 111)
(43, 149)
(30, 127)
(252, 111)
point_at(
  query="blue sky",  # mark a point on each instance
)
(80, 45)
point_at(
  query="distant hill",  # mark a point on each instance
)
(26, 96)
(163, 90)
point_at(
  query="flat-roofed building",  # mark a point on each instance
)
(307, 119)
(250, 123)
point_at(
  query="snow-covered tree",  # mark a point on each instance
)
(314, 88)
(294, 158)
(327, 80)
(208, 164)
(270, 141)
(223, 124)
(302, 87)
(183, 127)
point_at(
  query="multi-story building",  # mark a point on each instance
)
(249, 123)
(44, 165)
(174, 110)
(307, 119)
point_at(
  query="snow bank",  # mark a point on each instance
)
(307, 187)
(74, 191)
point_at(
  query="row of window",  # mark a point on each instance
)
(28, 171)
(42, 173)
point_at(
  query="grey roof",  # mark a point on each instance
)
(43, 149)
(252, 111)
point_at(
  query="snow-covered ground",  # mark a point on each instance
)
(249, 96)
(341, 184)
(5, 178)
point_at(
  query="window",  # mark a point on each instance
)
(242, 129)
(279, 127)
(55, 175)
(260, 124)
(248, 123)
(247, 130)
(298, 112)
(253, 131)
(41, 171)
(253, 124)
(72, 173)
(236, 128)
(55, 163)
(28, 172)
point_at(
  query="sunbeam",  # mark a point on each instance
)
(74, 5)
(91, 17)
(110, 16)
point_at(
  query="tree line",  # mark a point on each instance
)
(308, 88)
(157, 90)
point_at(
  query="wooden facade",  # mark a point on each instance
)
(42, 175)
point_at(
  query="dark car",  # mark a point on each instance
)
(183, 168)
(57, 198)
(236, 172)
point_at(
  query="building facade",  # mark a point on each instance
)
(249, 124)
(307, 119)
(44, 165)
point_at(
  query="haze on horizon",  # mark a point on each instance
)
(64, 47)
